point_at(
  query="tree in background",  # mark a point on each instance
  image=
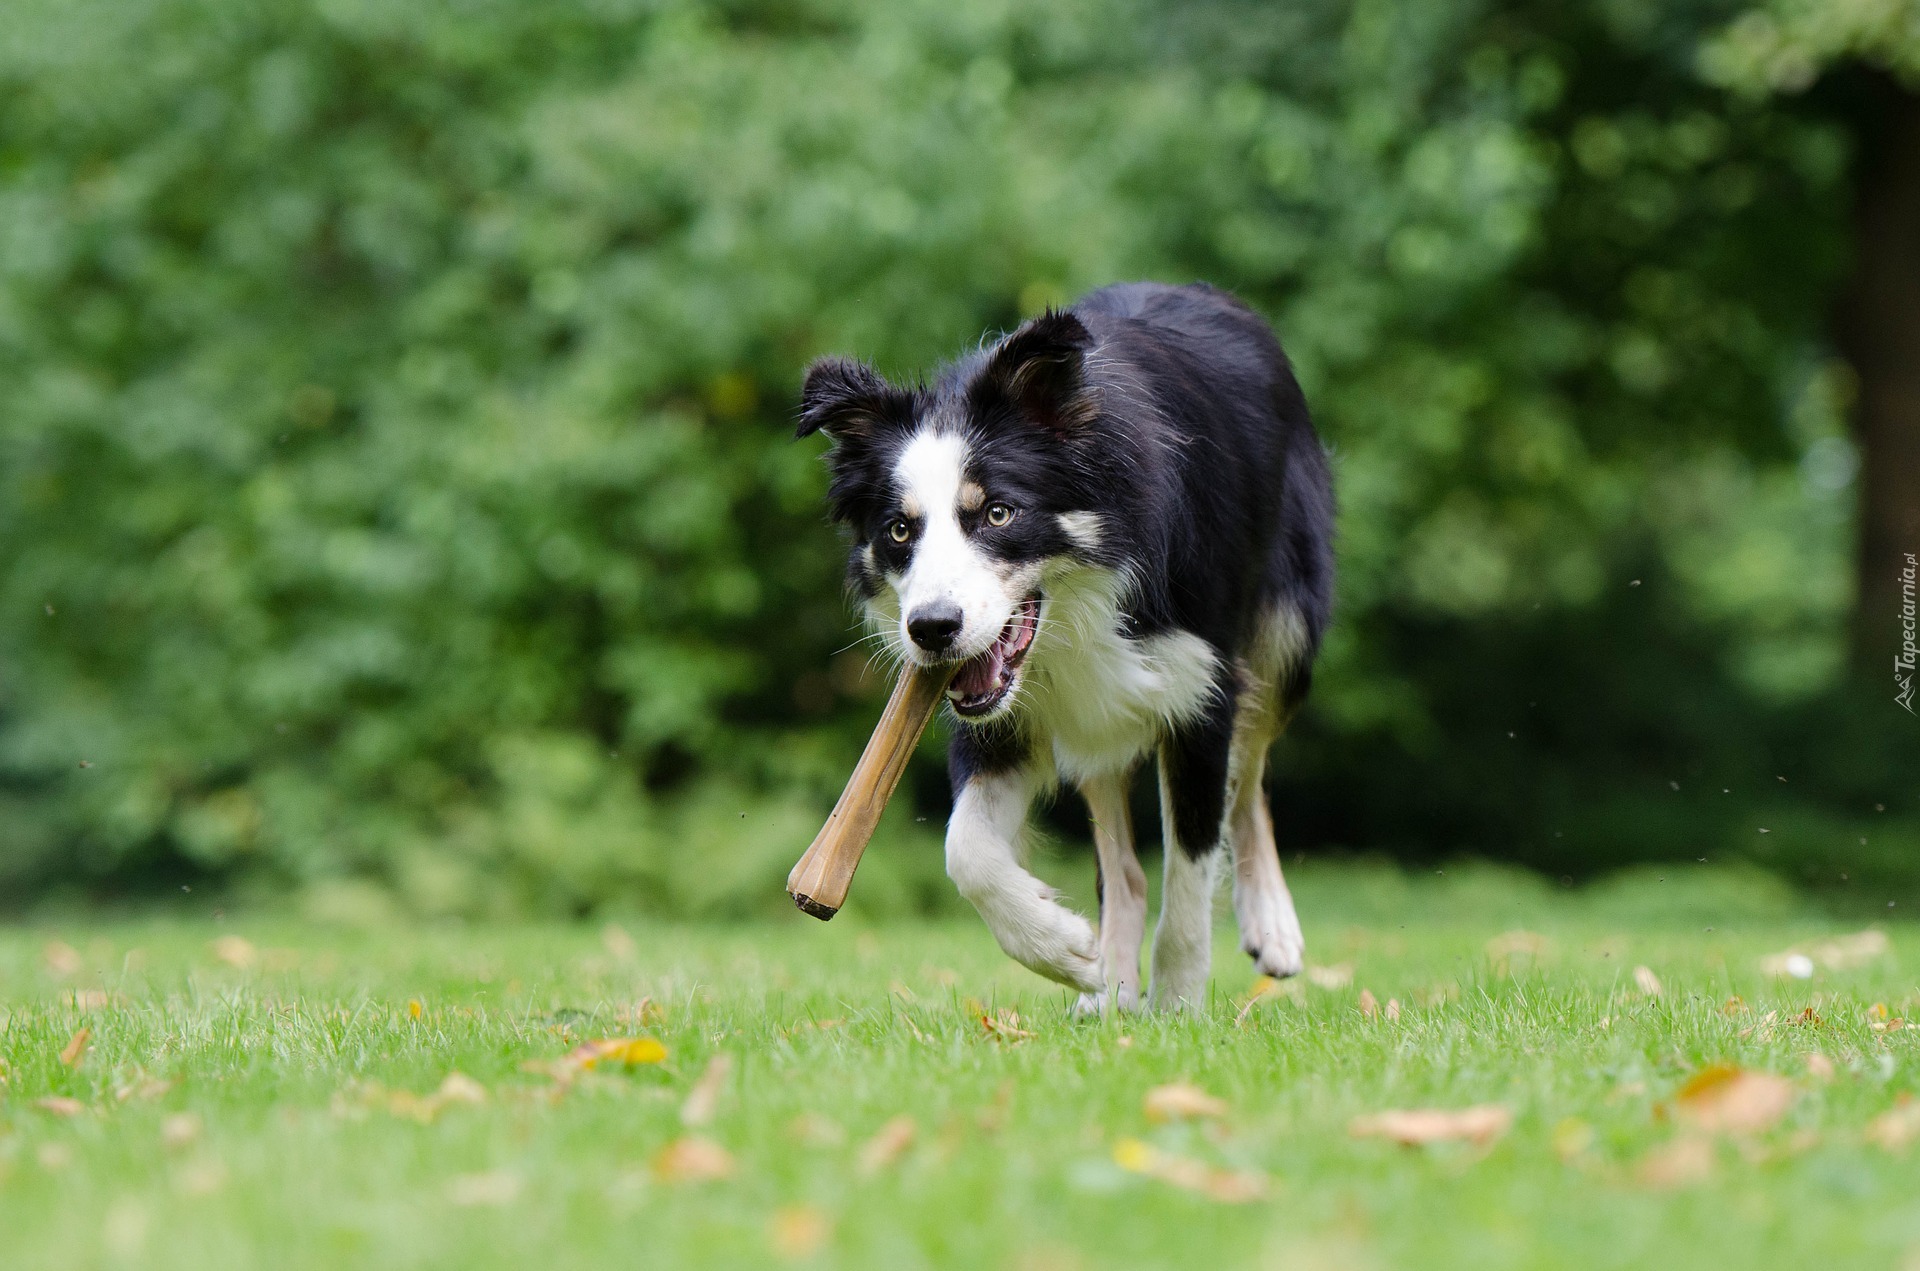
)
(394, 484)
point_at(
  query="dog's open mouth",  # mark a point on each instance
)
(983, 681)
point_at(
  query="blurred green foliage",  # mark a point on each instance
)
(394, 477)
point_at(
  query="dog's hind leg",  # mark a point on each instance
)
(983, 859)
(1194, 764)
(1269, 928)
(1123, 893)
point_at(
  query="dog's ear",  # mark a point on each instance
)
(843, 398)
(1041, 369)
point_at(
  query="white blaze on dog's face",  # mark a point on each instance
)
(956, 599)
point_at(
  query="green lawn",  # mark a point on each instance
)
(260, 1092)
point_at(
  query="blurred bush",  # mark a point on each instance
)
(394, 475)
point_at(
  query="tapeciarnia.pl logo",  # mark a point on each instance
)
(1903, 660)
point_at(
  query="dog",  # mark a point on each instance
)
(1117, 524)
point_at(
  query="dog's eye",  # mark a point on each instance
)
(899, 531)
(998, 514)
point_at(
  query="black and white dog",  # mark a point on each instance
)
(1118, 521)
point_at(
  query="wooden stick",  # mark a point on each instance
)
(819, 883)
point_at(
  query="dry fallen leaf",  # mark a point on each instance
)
(60, 1105)
(62, 958)
(179, 1130)
(1415, 1126)
(457, 1087)
(629, 1052)
(1233, 1187)
(86, 999)
(1331, 978)
(885, 1147)
(236, 951)
(1649, 982)
(1266, 989)
(692, 1160)
(1819, 1067)
(811, 1129)
(1723, 1099)
(704, 1099)
(1004, 1026)
(1898, 1126)
(1369, 1004)
(1393, 1008)
(494, 1188)
(141, 1087)
(1503, 949)
(76, 1048)
(1572, 1139)
(1181, 1101)
(1680, 1163)
(798, 1231)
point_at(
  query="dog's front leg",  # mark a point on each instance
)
(983, 859)
(1193, 808)
(1123, 893)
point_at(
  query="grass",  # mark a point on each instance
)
(274, 1109)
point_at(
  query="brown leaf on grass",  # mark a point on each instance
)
(1413, 1127)
(1509, 947)
(692, 1160)
(1819, 1067)
(236, 951)
(457, 1087)
(1681, 1162)
(798, 1231)
(1331, 978)
(1393, 1008)
(76, 1048)
(1266, 989)
(811, 1129)
(1233, 1187)
(142, 1087)
(1723, 1099)
(1735, 1005)
(1898, 1126)
(180, 1129)
(59, 1105)
(1003, 1025)
(615, 1052)
(492, 1189)
(704, 1099)
(1180, 1101)
(86, 999)
(1649, 982)
(1369, 1004)
(885, 1147)
(62, 958)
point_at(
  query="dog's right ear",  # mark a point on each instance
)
(844, 398)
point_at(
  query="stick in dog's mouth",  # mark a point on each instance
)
(984, 680)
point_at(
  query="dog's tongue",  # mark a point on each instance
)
(979, 676)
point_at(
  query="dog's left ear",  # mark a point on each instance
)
(1041, 369)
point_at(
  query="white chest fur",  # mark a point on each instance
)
(1099, 698)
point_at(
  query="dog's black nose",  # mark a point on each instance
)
(934, 627)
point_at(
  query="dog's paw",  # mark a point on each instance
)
(1066, 951)
(1270, 935)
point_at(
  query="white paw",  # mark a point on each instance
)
(1122, 997)
(1070, 953)
(1270, 934)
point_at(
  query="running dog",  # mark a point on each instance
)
(1118, 522)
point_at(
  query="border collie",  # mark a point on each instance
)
(1118, 522)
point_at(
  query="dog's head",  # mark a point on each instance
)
(960, 497)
